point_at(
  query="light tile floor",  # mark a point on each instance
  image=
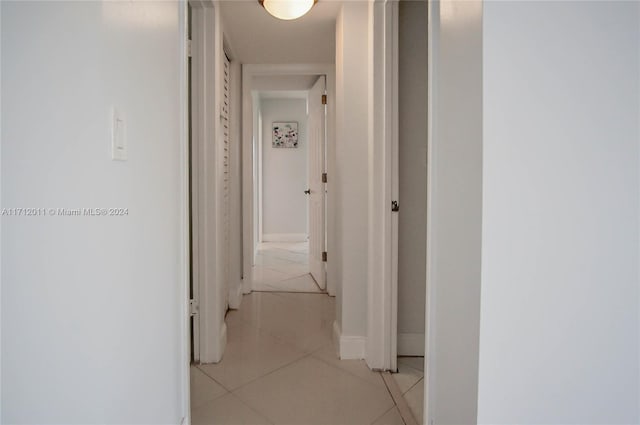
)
(410, 380)
(280, 367)
(283, 266)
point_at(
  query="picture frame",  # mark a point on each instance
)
(285, 134)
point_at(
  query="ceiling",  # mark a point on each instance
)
(254, 36)
(283, 94)
(283, 82)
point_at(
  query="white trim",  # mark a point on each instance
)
(184, 261)
(432, 32)
(383, 186)
(248, 72)
(285, 237)
(411, 344)
(1, 205)
(258, 137)
(352, 347)
(393, 166)
(336, 336)
(235, 296)
(196, 169)
(222, 337)
(349, 347)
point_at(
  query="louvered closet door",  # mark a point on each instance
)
(225, 168)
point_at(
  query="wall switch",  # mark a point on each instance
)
(118, 136)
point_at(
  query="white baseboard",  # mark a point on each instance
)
(223, 342)
(247, 286)
(235, 295)
(349, 347)
(411, 344)
(284, 237)
(215, 355)
(336, 336)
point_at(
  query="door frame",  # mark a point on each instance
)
(382, 315)
(433, 27)
(315, 183)
(183, 188)
(207, 214)
(248, 72)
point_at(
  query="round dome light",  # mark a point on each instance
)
(287, 9)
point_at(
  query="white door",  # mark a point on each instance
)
(316, 124)
(193, 204)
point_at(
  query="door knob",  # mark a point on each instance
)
(308, 191)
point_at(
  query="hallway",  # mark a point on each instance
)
(280, 367)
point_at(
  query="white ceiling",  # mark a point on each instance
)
(257, 37)
(286, 94)
(283, 82)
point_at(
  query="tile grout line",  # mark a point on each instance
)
(346, 371)
(398, 398)
(403, 372)
(311, 356)
(241, 402)
(270, 373)
(315, 281)
(280, 341)
(251, 323)
(278, 291)
(290, 262)
(413, 386)
(395, 406)
(261, 376)
(257, 412)
(266, 333)
(213, 379)
(296, 277)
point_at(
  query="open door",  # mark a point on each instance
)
(316, 124)
(193, 206)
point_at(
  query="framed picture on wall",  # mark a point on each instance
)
(285, 134)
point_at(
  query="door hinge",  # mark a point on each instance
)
(324, 177)
(188, 48)
(394, 206)
(324, 99)
(193, 307)
(324, 256)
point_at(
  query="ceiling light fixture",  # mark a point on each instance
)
(287, 9)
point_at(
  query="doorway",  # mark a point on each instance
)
(289, 194)
(284, 182)
(412, 217)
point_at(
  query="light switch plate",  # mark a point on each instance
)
(118, 136)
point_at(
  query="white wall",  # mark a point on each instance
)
(412, 218)
(91, 306)
(284, 172)
(350, 190)
(454, 230)
(559, 333)
(264, 83)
